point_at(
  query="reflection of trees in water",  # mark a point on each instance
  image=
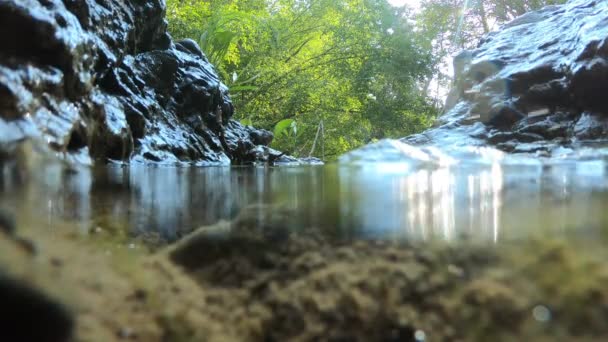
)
(573, 198)
(309, 194)
(173, 201)
(51, 195)
(73, 200)
(170, 201)
(488, 202)
(112, 199)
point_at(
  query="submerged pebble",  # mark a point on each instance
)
(541, 313)
(420, 336)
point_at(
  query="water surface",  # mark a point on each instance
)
(493, 201)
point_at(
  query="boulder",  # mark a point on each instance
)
(539, 79)
(104, 80)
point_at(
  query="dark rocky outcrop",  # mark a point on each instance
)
(536, 85)
(103, 79)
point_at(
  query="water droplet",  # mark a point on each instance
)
(420, 336)
(541, 313)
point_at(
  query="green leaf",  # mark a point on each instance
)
(247, 122)
(294, 127)
(283, 127)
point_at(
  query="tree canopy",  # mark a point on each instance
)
(331, 75)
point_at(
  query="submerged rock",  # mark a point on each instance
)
(306, 287)
(535, 86)
(104, 79)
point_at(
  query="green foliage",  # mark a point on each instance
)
(360, 67)
(285, 127)
(246, 122)
(286, 132)
(355, 65)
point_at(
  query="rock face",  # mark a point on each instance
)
(537, 85)
(102, 79)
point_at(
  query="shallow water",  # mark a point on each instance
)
(493, 202)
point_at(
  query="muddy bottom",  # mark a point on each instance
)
(247, 286)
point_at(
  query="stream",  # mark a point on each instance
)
(491, 201)
(391, 240)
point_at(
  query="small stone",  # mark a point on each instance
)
(126, 333)
(56, 262)
(420, 336)
(140, 294)
(541, 313)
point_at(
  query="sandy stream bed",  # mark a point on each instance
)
(240, 286)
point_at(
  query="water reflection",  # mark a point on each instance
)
(491, 202)
(430, 203)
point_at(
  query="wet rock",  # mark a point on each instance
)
(549, 127)
(540, 148)
(501, 137)
(390, 151)
(103, 79)
(502, 115)
(590, 76)
(260, 136)
(29, 315)
(591, 126)
(533, 83)
(190, 46)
